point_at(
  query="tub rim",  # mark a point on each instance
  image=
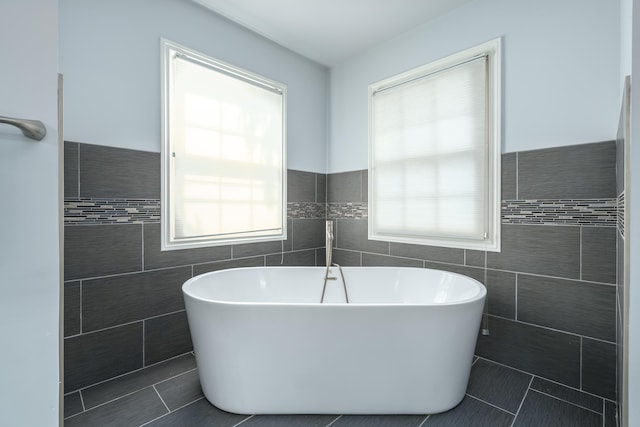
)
(481, 294)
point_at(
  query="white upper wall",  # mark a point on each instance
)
(110, 58)
(626, 35)
(560, 72)
(29, 255)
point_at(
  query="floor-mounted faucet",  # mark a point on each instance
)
(329, 241)
(329, 253)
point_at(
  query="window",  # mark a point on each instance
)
(223, 154)
(434, 153)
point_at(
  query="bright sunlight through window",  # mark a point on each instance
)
(434, 153)
(223, 171)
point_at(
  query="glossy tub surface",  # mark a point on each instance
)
(265, 345)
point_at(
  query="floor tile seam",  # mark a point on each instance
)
(336, 419)
(132, 372)
(126, 323)
(84, 407)
(115, 399)
(77, 413)
(173, 377)
(248, 418)
(549, 380)
(568, 402)
(490, 404)
(161, 399)
(170, 412)
(553, 329)
(573, 389)
(424, 421)
(522, 401)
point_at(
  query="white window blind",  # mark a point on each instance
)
(225, 155)
(431, 177)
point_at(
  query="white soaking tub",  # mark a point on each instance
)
(264, 343)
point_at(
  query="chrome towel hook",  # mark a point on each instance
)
(33, 129)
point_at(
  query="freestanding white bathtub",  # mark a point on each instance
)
(265, 345)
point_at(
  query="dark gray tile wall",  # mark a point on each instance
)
(550, 289)
(115, 300)
(548, 353)
(118, 173)
(538, 249)
(551, 294)
(166, 337)
(101, 250)
(71, 308)
(582, 308)
(599, 254)
(584, 171)
(94, 357)
(124, 308)
(599, 368)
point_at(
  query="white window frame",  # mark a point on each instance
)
(168, 241)
(491, 241)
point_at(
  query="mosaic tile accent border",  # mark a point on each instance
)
(306, 210)
(347, 210)
(86, 211)
(620, 215)
(588, 212)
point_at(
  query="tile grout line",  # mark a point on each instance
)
(522, 402)
(570, 403)
(142, 244)
(581, 345)
(173, 377)
(336, 419)
(545, 379)
(248, 418)
(169, 413)
(143, 343)
(112, 400)
(161, 399)
(84, 408)
(553, 329)
(140, 389)
(516, 297)
(490, 404)
(133, 322)
(424, 421)
(134, 371)
(580, 253)
(539, 275)
(81, 290)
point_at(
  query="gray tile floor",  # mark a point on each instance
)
(168, 394)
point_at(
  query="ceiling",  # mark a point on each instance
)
(330, 31)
